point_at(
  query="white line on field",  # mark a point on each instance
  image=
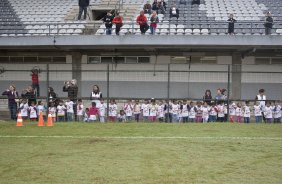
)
(139, 137)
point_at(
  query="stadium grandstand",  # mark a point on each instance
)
(185, 57)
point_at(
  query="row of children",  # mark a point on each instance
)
(175, 111)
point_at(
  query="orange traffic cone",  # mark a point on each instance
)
(40, 120)
(50, 120)
(19, 120)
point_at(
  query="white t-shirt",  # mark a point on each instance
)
(257, 110)
(137, 109)
(213, 111)
(232, 109)
(112, 109)
(61, 110)
(220, 109)
(192, 112)
(80, 109)
(173, 11)
(52, 111)
(268, 112)
(153, 109)
(128, 108)
(24, 109)
(247, 112)
(174, 108)
(205, 112)
(40, 108)
(185, 111)
(146, 109)
(261, 100)
(69, 106)
(160, 111)
(238, 111)
(32, 112)
(277, 111)
(102, 109)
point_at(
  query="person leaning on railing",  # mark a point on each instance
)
(12, 95)
(118, 22)
(268, 23)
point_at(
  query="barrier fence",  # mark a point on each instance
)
(146, 81)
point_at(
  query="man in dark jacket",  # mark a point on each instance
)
(83, 4)
(72, 89)
(108, 20)
(268, 23)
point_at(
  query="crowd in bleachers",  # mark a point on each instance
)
(149, 18)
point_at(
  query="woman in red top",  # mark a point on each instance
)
(142, 21)
(118, 22)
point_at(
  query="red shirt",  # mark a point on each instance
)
(34, 78)
(93, 111)
(117, 20)
(141, 19)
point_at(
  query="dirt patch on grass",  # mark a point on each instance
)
(95, 141)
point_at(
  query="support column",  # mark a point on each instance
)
(236, 78)
(76, 70)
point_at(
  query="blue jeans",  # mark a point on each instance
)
(185, 119)
(137, 117)
(128, 118)
(258, 119)
(277, 120)
(70, 116)
(174, 118)
(246, 120)
(145, 118)
(153, 30)
(61, 118)
(191, 119)
(13, 111)
(108, 31)
(168, 117)
(212, 118)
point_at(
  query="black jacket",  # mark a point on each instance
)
(108, 20)
(83, 3)
(268, 22)
(30, 96)
(72, 92)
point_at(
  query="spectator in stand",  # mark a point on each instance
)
(142, 21)
(118, 22)
(174, 12)
(207, 97)
(184, 2)
(147, 7)
(13, 96)
(108, 20)
(154, 21)
(35, 81)
(72, 89)
(261, 98)
(161, 8)
(231, 22)
(268, 23)
(155, 5)
(29, 94)
(163, 4)
(196, 2)
(83, 4)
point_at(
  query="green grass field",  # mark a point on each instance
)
(141, 153)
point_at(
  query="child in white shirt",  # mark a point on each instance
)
(268, 113)
(112, 111)
(192, 112)
(61, 109)
(145, 110)
(205, 112)
(220, 112)
(24, 109)
(277, 113)
(238, 113)
(137, 110)
(70, 112)
(232, 112)
(153, 108)
(212, 113)
(128, 108)
(185, 111)
(102, 111)
(52, 111)
(247, 112)
(160, 112)
(32, 112)
(258, 112)
(79, 110)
